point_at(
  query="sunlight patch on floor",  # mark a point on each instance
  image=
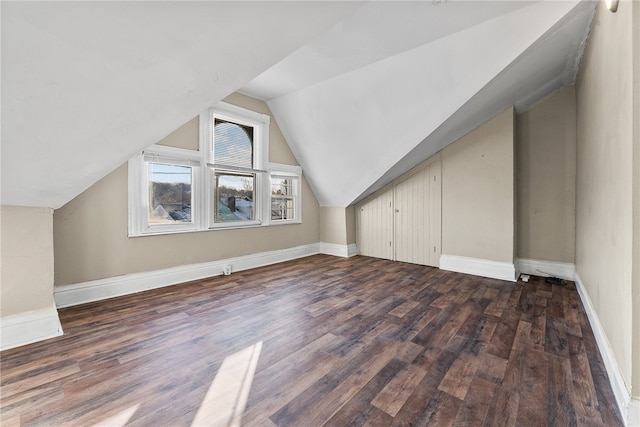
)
(118, 420)
(227, 397)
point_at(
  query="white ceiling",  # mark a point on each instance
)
(393, 83)
(85, 85)
(362, 92)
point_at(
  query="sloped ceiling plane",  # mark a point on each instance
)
(362, 91)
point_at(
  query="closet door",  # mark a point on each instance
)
(412, 224)
(418, 217)
(374, 226)
(405, 222)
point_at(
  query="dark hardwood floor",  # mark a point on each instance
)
(318, 341)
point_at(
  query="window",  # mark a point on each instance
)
(232, 144)
(169, 193)
(234, 197)
(229, 182)
(163, 188)
(236, 141)
(285, 193)
(282, 199)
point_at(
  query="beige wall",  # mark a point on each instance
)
(478, 192)
(27, 259)
(90, 232)
(636, 202)
(337, 225)
(546, 179)
(350, 213)
(186, 136)
(604, 179)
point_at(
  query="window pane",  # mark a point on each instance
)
(234, 196)
(169, 193)
(232, 144)
(281, 186)
(282, 209)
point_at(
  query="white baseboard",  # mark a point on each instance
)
(633, 415)
(615, 377)
(29, 327)
(479, 267)
(352, 250)
(543, 268)
(95, 290)
(344, 251)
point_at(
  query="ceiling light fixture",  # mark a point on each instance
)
(612, 5)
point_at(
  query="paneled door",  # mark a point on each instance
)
(417, 217)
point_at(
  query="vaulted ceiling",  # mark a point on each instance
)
(362, 91)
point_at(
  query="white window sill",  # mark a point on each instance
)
(214, 228)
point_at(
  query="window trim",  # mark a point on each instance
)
(214, 194)
(260, 123)
(232, 113)
(203, 173)
(138, 189)
(295, 172)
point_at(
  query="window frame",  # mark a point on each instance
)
(215, 197)
(203, 171)
(260, 124)
(138, 169)
(295, 174)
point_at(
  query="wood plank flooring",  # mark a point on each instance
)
(318, 341)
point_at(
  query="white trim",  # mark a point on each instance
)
(633, 414)
(294, 172)
(234, 113)
(203, 167)
(615, 377)
(538, 267)
(345, 251)
(262, 187)
(352, 250)
(95, 290)
(479, 267)
(26, 328)
(167, 154)
(284, 169)
(138, 191)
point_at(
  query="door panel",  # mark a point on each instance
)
(374, 226)
(412, 225)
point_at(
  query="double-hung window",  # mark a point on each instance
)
(236, 142)
(285, 193)
(227, 183)
(163, 187)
